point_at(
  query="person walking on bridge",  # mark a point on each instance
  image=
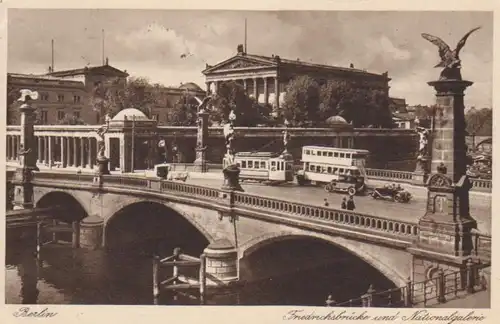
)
(343, 205)
(350, 203)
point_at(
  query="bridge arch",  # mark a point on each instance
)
(375, 260)
(143, 220)
(72, 207)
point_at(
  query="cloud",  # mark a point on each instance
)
(150, 42)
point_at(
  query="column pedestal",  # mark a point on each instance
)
(91, 232)
(200, 164)
(221, 263)
(421, 172)
(231, 178)
(102, 166)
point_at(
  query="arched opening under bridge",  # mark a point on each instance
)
(150, 227)
(304, 270)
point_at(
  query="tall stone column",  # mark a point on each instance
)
(82, 152)
(200, 163)
(446, 227)
(40, 149)
(245, 85)
(46, 150)
(90, 153)
(23, 192)
(277, 92)
(50, 151)
(64, 152)
(74, 141)
(208, 87)
(255, 90)
(69, 152)
(266, 92)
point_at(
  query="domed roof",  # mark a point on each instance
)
(190, 86)
(336, 120)
(129, 113)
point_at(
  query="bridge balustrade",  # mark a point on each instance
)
(481, 185)
(342, 217)
(482, 246)
(390, 175)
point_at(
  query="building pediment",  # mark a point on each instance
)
(239, 62)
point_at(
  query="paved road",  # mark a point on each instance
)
(364, 204)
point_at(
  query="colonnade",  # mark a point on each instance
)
(252, 85)
(58, 151)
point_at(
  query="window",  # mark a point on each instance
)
(244, 164)
(342, 155)
(318, 169)
(330, 154)
(307, 152)
(263, 164)
(60, 114)
(273, 163)
(60, 98)
(76, 114)
(44, 97)
(335, 154)
(44, 116)
(250, 164)
(329, 169)
(311, 167)
(325, 153)
(157, 117)
(348, 155)
(256, 164)
(76, 99)
(335, 170)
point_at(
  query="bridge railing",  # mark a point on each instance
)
(436, 290)
(482, 245)
(327, 214)
(481, 185)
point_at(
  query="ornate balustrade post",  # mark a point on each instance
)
(200, 164)
(102, 160)
(23, 190)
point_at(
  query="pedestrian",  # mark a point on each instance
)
(350, 203)
(330, 301)
(343, 205)
(326, 203)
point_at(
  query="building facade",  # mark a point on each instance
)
(265, 78)
(67, 93)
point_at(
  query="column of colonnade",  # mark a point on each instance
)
(255, 83)
(58, 151)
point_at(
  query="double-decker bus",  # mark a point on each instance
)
(338, 169)
(270, 168)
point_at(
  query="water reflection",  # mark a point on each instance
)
(68, 276)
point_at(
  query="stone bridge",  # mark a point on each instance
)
(103, 207)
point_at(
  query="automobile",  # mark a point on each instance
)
(392, 193)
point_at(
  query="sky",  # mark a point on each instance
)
(149, 43)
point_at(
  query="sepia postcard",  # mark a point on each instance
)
(259, 162)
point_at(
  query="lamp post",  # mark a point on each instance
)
(230, 168)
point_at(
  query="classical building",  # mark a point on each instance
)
(265, 77)
(169, 97)
(64, 93)
(67, 93)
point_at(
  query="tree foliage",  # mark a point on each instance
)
(184, 111)
(70, 120)
(479, 122)
(306, 102)
(110, 96)
(11, 96)
(232, 96)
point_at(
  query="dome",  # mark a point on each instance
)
(129, 113)
(190, 86)
(336, 120)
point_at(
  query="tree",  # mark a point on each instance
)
(70, 120)
(111, 96)
(302, 100)
(184, 112)
(232, 96)
(479, 123)
(357, 103)
(12, 95)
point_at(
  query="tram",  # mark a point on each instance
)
(337, 169)
(267, 167)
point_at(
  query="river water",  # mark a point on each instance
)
(76, 276)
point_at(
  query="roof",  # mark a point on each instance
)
(257, 154)
(102, 69)
(191, 86)
(336, 120)
(39, 77)
(276, 60)
(318, 147)
(129, 114)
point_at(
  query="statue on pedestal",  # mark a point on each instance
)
(102, 160)
(230, 168)
(450, 60)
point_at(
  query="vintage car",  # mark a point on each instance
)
(392, 193)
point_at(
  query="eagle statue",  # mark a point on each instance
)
(450, 60)
(27, 95)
